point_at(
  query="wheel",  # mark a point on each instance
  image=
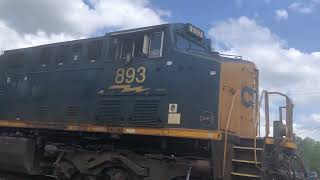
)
(83, 177)
(118, 174)
(286, 166)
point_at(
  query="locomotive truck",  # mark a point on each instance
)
(152, 103)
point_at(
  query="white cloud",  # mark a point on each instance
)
(301, 7)
(26, 23)
(282, 68)
(316, 55)
(281, 14)
(10, 39)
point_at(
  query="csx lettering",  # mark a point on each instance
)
(130, 75)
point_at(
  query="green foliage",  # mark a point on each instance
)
(310, 151)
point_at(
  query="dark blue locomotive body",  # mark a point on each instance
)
(129, 77)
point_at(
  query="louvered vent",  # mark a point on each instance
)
(43, 109)
(2, 91)
(43, 112)
(109, 111)
(146, 113)
(72, 111)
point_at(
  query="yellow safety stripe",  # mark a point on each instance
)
(169, 132)
(247, 148)
(245, 175)
(246, 161)
(269, 141)
(287, 144)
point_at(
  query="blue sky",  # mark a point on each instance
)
(280, 36)
(299, 30)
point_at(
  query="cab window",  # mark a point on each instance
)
(113, 49)
(94, 50)
(147, 45)
(156, 43)
(127, 49)
(138, 47)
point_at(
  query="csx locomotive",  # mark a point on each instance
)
(153, 103)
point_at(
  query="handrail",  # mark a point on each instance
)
(280, 112)
(289, 114)
(266, 112)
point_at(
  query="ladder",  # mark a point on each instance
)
(244, 165)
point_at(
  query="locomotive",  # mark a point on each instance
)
(152, 103)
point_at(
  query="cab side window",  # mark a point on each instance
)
(148, 45)
(156, 43)
(138, 47)
(127, 49)
(113, 49)
(94, 50)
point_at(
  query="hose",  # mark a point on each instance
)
(226, 132)
(189, 173)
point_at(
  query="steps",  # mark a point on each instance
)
(244, 165)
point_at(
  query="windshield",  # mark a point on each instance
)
(185, 44)
(148, 45)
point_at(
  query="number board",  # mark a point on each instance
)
(195, 31)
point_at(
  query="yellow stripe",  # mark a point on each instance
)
(247, 148)
(245, 175)
(169, 132)
(269, 141)
(246, 161)
(287, 144)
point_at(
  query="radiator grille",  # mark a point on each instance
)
(43, 112)
(2, 91)
(72, 111)
(146, 112)
(43, 109)
(109, 111)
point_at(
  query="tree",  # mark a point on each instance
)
(309, 149)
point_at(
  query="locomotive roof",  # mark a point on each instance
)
(173, 26)
(98, 37)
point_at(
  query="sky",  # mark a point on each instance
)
(281, 37)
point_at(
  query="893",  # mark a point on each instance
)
(130, 75)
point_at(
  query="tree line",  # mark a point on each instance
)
(309, 149)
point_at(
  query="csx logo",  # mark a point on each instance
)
(247, 96)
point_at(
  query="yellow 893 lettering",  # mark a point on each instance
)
(130, 75)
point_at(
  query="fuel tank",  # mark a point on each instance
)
(17, 154)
